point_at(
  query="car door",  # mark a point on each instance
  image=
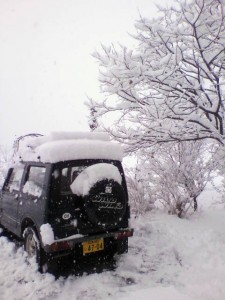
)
(10, 198)
(33, 193)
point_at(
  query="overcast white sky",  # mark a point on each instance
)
(46, 67)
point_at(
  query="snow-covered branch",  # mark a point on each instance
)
(171, 87)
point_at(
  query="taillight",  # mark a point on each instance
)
(124, 234)
(60, 246)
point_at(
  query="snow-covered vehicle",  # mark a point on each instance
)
(66, 195)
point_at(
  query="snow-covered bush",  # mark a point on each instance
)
(173, 174)
(140, 196)
(219, 182)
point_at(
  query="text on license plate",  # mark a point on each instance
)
(93, 246)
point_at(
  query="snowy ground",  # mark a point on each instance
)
(168, 259)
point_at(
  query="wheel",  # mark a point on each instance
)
(31, 242)
(32, 246)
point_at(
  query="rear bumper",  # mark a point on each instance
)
(69, 243)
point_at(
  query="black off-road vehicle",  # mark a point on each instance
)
(66, 195)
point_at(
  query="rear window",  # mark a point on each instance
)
(67, 173)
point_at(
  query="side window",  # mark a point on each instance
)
(35, 181)
(15, 179)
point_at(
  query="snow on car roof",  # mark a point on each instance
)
(63, 146)
(57, 136)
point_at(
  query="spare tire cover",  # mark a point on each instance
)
(106, 203)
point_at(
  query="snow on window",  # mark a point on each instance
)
(31, 188)
(56, 174)
(87, 179)
(35, 181)
(15, 178)
(47, 234)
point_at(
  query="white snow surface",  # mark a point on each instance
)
(168, 259)
(91, 175)
(62, 146)
(62, 150)
(57, 136)
(48, 238)
(47, 234)
(32, 189)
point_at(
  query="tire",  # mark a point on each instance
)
(32, 246)
(106, 208)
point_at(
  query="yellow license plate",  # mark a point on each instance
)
(93, 246)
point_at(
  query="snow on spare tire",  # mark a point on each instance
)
(104, 197)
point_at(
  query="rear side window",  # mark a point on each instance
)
(35, 181)
(15, 179)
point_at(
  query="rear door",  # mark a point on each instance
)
(11, 198)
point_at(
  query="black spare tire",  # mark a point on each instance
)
(105, 203)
